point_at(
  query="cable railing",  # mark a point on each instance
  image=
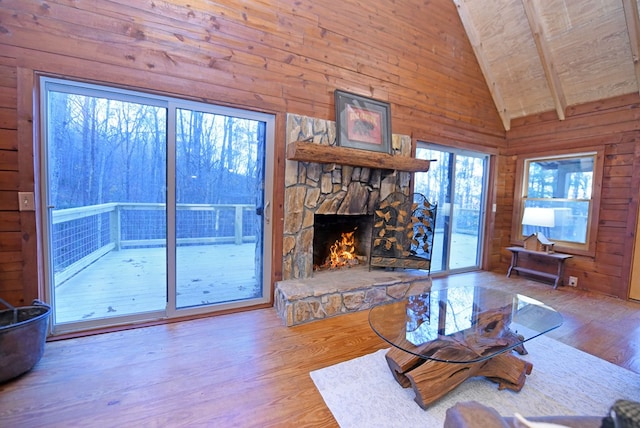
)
(82, 235)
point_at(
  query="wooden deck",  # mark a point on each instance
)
(134, 280)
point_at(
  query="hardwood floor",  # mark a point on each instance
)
(248, 369)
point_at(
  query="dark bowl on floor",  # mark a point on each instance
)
(23, 332)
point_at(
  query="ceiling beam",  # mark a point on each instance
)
(533, 16)
(633, 29)
(494, 89)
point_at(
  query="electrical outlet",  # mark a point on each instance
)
(573, 281)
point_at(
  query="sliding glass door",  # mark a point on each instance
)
(457, 181)
(219, 177)
(155, 207)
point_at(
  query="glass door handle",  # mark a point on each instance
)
(264, 211)
(267, 214)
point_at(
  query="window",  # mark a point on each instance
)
(557, 199)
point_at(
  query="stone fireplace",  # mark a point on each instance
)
(322, 200)
(315, 189)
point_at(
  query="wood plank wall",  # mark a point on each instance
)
(287, 56)
(614, 125)
(11, 284)
(277, 56)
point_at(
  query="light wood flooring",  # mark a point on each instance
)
(248, 369)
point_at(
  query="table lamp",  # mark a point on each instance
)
(539, 218)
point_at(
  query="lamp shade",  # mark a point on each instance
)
(542, 217)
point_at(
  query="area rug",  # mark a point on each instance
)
(565, 381)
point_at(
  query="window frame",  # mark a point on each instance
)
(521, 188)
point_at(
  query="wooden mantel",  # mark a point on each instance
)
(310, 152)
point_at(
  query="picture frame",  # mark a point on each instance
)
(362, 123)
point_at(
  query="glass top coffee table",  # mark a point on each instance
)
(446, 336)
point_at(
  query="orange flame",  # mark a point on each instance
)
(343, 251)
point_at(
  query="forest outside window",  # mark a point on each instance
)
(558, 192)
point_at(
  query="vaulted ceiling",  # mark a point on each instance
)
(547, 55)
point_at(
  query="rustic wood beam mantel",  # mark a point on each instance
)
(310, 152)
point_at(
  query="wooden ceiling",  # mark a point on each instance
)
(547, 55)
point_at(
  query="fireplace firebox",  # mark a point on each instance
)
(329, 229)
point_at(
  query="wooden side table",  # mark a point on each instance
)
(557, 258)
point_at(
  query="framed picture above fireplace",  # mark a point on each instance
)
(362, 123)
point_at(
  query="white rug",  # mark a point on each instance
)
(565, 381)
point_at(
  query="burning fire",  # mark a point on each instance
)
(342, 252)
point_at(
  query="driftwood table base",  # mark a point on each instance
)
(444, 337)
(432, 379)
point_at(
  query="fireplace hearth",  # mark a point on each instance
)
(342, 291)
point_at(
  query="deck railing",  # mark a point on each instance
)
(84, 234)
